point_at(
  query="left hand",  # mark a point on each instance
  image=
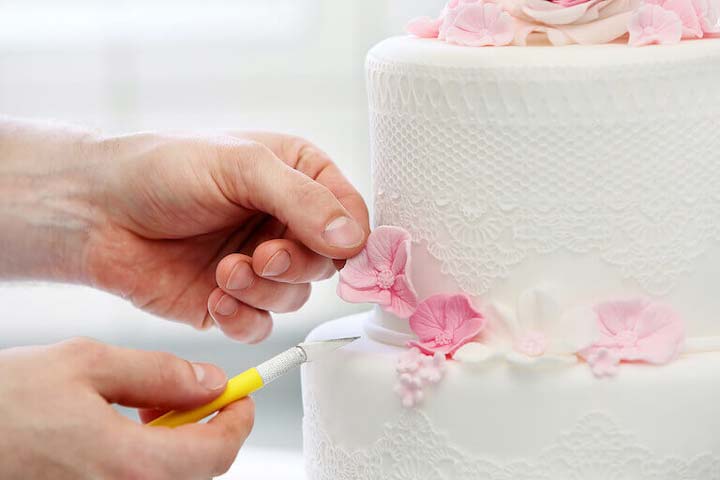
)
(220, 229)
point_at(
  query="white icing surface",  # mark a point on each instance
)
(436, 53)
(594, 168)
(500, 423)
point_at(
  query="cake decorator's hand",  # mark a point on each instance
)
(205, 229)
(57, 422)
(221, 229)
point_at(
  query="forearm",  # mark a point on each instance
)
(45, 187)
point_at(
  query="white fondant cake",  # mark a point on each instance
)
(582, 181)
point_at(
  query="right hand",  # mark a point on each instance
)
(57, 420)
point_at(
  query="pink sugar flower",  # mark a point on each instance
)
(708, 12)
(569, 3)
(686, 12)
(475, 23)
(380, 273)
(654, 24)
(444, 323)
(416, 371)
(634, 331)
(424, 27)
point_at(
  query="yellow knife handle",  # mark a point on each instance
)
(238, 387)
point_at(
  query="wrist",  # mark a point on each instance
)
(46, 207)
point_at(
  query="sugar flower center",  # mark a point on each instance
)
(627, 338)
(443, 339)
(532, 344)
(385, 279)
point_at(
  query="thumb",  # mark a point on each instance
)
(153, 380)
(314, 214)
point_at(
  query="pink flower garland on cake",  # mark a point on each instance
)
(502, 22)
(637, 330)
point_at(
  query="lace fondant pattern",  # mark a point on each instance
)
(413, 449)
(484, 168)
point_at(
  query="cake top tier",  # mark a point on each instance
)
(432, 52)
(479, 23)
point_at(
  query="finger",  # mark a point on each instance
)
(311, 160)
(237, 320)
(147, 379)
(269, 229)
(202, 450)
(306, 157)
(147, 415)
(252, 175)
(285, 260)
(235, 276)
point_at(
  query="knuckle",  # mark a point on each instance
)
(171, 371)
(310, 192)
(244, 158)
(84, 348)
(301, 296)
(253, 152)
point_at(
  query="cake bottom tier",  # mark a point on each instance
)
(499, 422)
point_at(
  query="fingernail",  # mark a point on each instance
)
(344, 232)
(241, 277)
(277, 265)
(226, 306)
(209, 376)
(263, 335)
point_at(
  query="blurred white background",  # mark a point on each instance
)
(127, 65)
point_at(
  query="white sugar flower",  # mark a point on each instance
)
(536, 333)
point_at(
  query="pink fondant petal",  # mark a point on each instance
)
(708, 12)
(599, 32)
(686, 12)
(370, 295)
(402, 258)
(428, 320)
(358, 272)
(462, 320)
(383, 244)
(403, 298)
(663, 347)
(618, 316)
(481, 24)
(661, 334)
(424, 27)
(569, 3)
(654, 24)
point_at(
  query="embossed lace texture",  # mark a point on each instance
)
(412, 449)
(490, 168)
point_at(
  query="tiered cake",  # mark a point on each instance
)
(545, 274)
